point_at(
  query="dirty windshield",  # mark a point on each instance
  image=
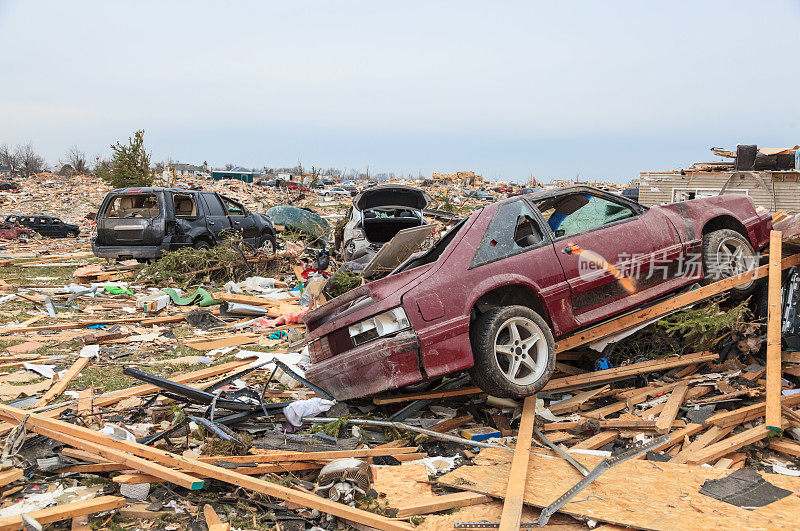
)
(131, 206)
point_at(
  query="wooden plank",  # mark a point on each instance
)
(227, 341)
(660, 309)
(273, 456)
(434, 504)
(785, 447)
(59, 387)
(677, 436)
(671, 409)
(213, 521)
(743, 414)
(36, 421)
(628, 371)
(427, 396)
(65, 511)
(728, 445)
(451, 424)
(9, 476)
(573, 404)
(617, 424)
(515, 487)
(710, 436)
(773, 410)
(248, 299)
(646, 495)
(596, 441)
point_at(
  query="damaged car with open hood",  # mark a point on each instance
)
(493, 295)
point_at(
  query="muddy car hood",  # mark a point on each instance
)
(392, 195)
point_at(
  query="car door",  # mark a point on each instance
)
(216, 218)
(609, 249)
(241, 220)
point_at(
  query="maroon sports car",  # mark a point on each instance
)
(494, 292)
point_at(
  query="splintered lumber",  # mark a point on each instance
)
(620, 373)
(710, 436)
(451, 424)
(515, 486)
(224, 296)
(785, 447)
(596, 441)
(36, 422)
(678, 436)
(57, 388)
(660, 309)
(277, 456)
(617, 424)
(233, 340)
(573, 404)
(9, 476)
(670, 411)
(729, 444)
(773, 411)
(743, 414)
(432, 504)
(636, 493)
(65, 511)
(427, 396)
(213, 521)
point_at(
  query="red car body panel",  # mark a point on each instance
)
(438, 297)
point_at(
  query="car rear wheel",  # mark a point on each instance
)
(727, 253)
(268, 245)
(514, 352)
(201, 244)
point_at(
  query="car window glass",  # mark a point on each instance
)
(184, 205)
(56, 221)
(578, 213)
(234, 209)
(133, 206)
(213, 205)
(512, 230)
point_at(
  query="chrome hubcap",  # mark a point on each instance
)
(520, 351)
(267, 247)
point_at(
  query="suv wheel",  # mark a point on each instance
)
(727, 253)
(201, 244)
(514, 352)
(71, 234)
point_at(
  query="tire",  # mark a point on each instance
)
(727, 253)
(201, 244)
(71, 234)
(268, 245)
(492, 369)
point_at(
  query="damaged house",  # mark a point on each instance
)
(770, 176)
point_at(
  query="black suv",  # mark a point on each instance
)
(142, 223)
(46, 225)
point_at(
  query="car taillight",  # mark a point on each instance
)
(319, 350)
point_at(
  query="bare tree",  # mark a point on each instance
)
(8, 157)
(28, 160)
(77, 159)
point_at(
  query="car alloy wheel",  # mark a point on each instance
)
(520, 351)
(733, 257)
(268, 247)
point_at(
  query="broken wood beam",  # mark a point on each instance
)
(596, 441)
(64, 511)
(773, 408)
(573, 404)
(57, 388)
(445, 502)
(710, 436)
(728, 445)
(511, 517)
(743, 414)
(427, 396)
(671, 409)
(661, 309)
(785, 447)
(620, 373)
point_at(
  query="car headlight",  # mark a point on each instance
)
(381, 325)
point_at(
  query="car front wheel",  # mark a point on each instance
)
(727, 253)
(514, 352)
(268, 245)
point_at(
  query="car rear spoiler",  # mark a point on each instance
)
(316, 318)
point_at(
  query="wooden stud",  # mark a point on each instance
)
(573, 404)
(743, 414)
(728, 445)
(512, 507)
(785, 447)
(773, 411)
(710, 436)
(596, 441)
(213, 521)
(427, 396)
(670, 411)
(57, 388)
(65, 511)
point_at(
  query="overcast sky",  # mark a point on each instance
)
(603, 89)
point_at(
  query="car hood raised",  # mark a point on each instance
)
(392, 195)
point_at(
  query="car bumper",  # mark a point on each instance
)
(125, 252)
(368, 369)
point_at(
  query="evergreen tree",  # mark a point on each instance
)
(129, 165)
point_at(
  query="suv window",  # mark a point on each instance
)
(184, 205)
(133, 206)
(513, 229)
(213, 205)
(234, 209)
(576, 213)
